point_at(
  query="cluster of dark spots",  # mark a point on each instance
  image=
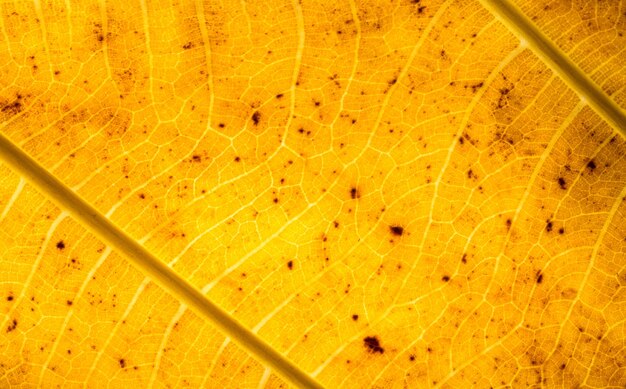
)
(188, 45)
(508, 223)
(122, 363)
(396, 230)
(354, 193)
(355, 317)
(548, 225)
(14, 107)
(471, 175)
(562, 183)
(373, 345)
(503, 100)
(303, 131)
(12, 326)
(256, 117)
(290, 265)
(445, 278)
(539, 277)
(60, 245)
(475, 87)
(591, 165)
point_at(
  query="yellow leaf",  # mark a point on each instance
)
(410, 193)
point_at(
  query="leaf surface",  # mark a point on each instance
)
(402, 194)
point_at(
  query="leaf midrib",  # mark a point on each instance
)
(519, 24)
(157, 270)
(511, 17)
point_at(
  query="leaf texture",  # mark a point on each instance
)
(387, 194)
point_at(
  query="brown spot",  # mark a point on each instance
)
(508, 224)
(279, 96)
(396, 230)
(445, 278)
(188, 45)
(10, 298)
(237, 159)
(464, 258)
(69, 302)
(142, 196)
(562, 183)
(196, 158)
(561, 231)
(354, 193)
(548, 225)
(539, 277)
(355, 317)
(12, 326)
(122, 363)
(591, 165)
(373, 345)
(256, 118)
(290, 265)
(60, 245)
(411, 357)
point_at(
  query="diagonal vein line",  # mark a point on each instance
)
(157, 270)
(514, 19)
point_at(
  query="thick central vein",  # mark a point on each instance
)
(558, 61)
(156, 269)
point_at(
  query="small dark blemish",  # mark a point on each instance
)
(69, 303)
(508, 224)
(354, 193)
(60, 245)
(188, 45)
(122, 363)
(290, 265)
(12, 326)
(562, 183)
(464, 258)
(237, 159)
(373, 345)
(142, 196)
(445, 278)
(539, 277)
(256, 118)
(561, 231)
(411, 357)
(355, 317)
(591, 165)
(196, 158)
(279, 96)
(548, 225)
(396, 230)
(10, 298)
